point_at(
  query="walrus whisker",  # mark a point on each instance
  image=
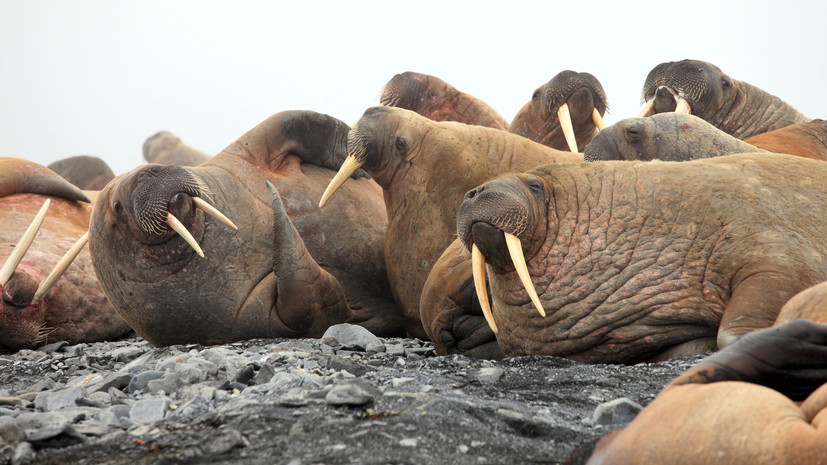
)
(209, 209)
(683, 106)
(646, 109)
(42, 334)
(23, 245)
(182, 231)
(598, 120)
(515, 248)
(478, 269)
(568, 130)
(349, 167)
(59, 269)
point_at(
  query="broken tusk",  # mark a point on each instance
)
(565, 123)
(598, 120)
(59, 269)
(349, 167)
(478, 268)
(23, 245)
(515, 248)
(683, 106)
(646, 109)
(207, 208)
(179, 227)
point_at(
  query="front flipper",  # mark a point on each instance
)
(309, 299)
(18, 176)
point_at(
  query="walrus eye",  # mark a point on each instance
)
(118, 207)
(725, 83)
(536, 187)
(433, 94)
(632, 135)
(401, 146)
(536, 94)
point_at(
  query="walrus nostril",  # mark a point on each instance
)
(180, 204)
(473, 192)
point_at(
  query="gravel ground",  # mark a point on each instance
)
(346, 398)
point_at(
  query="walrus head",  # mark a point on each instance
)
(412, 91)
(686, 86)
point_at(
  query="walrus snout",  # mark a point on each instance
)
(21, 323)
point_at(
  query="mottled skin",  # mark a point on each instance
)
(435, 99)
(637, 260)
(166, 148)
(805, 140)
(735, 107)
(424, 168)
(258, 281)
(538, 120)
(85, 171)
(664, 136)
(75, 309)
(737, 406)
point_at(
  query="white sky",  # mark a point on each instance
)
(99, 77)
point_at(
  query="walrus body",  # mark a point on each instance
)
(807, 140)
(165, 148)
(258, 281)
(75, 309)
(85, 171)
(435, 99)
(637, 260)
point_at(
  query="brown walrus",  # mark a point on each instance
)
(435, 99)
(85, 171)
(265, 279)
(165, 148)
(425, 167)
(45, 295)
(736, 406)
(700, 88)
(565, 113)
(805, 140)
(637, 260)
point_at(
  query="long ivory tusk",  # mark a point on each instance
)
(478, 268)
(646, 109)
(598, 120)
(515, 248)
(349, 167)
(565, 123)
(23, 245)
(683, 106)
(207, 208)
(179, 227)
(60, 268)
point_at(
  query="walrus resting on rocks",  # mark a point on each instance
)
(736, 406)
(565, 113)
(85, 171)
(702, 89)
(165, 148)
(48, 286)
(435, 99)
(425, 167)
(273, 276)
(622, 262)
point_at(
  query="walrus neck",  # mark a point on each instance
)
(753, 111)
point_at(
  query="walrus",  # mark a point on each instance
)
(622, 262)
(565, 113)
(424, 168)
(286, 271)
(165, 148)
(435, 99)
(805, 140)
(740, 405)
(702, 89)
(48, 287)
(85, 171)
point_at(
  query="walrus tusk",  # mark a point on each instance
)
(349, 167)
(598, 120)
(59, 269)
(179, 227)
(23, 245)
(565, 123)
(683, 106)
(207, 208)
(478, 268)
(515, 248)
(646, 109)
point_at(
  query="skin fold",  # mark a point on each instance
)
(634, 261)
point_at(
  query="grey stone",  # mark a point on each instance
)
(375, 347)
(118, 380)
(127, 353)
(59, 399)
(294, 397)
(226, 360)
(616, 412)
(111, 417)
(265, 374)
(54, 346)
(24, 453)
(139, 364)
(350, 337)
(489, 374)
(140, 381)
(350, 393)
(148, 411)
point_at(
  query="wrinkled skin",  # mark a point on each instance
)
(735, 107)
(435, 99)
(165, 148)
(664, 136)
(538, 120)
(634, 261)
(262, 280)
(737, 406)
(805, 140)
(424, 168)
(75, 309)
(85, 171)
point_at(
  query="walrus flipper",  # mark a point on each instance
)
(309, 298)
(319, 139)
(18, 176)
(790, 358)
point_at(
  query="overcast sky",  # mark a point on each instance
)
(99, 77)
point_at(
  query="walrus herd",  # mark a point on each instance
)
(699, 225)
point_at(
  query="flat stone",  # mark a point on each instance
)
(616, 412)
(118, 380)
(489, 374)
(140, 381)
(350, 393)
(59, 399)
(350, 337)
(148, 411)
(127, 353)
